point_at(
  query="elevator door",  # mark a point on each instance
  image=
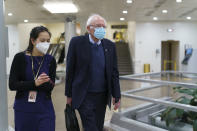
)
(169, 55)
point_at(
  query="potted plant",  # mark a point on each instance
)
(171, 115)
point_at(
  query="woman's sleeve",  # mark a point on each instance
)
(15, 82)
(48, 86)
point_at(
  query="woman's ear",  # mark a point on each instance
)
(32, 41)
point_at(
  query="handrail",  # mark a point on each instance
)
(161, 102)
(161, 84)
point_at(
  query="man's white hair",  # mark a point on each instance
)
(93, 17)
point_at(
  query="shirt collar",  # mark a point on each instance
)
(92, 41)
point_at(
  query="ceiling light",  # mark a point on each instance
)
(60, 7)
(10, 14)
(170, 30)
(129, 1)
(26, 21)
(189, 18)
(124, 11)
(179, 1)
(122, 19)
(164, 11)
(155, 18)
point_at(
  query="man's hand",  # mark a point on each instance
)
(69, 100)
(116, 104)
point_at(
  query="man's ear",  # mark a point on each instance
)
(88, 29)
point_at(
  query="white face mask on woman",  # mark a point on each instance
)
(43, 47)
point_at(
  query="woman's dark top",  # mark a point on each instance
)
(22, 81)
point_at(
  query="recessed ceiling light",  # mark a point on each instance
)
(122, 19)
(170, 30)
(60, 7)
(129, 1)
(10, 14)
(155, 18)
(164, 11)
(189, 18)
(26, 21)
(179, 1)
(124, 11)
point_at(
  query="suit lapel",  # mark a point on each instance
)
(87, 49)
(106, 49)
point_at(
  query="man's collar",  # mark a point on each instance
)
(92, 41)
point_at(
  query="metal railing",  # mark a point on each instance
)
(161, 84)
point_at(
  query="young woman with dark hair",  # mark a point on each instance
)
(32, 76)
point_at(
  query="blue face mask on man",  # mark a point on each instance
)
(99, 32)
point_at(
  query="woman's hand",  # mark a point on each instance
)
(42, 79)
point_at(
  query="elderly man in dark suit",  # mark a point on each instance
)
(92, 76)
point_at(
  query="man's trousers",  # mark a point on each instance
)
(92, 111)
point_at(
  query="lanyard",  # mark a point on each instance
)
(32, 65)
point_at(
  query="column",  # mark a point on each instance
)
(70, 31)
(3, 79)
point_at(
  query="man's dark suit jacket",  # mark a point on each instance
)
(78, 69)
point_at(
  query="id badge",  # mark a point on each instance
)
(32, 96)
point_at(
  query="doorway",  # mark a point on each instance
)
(170, 55)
